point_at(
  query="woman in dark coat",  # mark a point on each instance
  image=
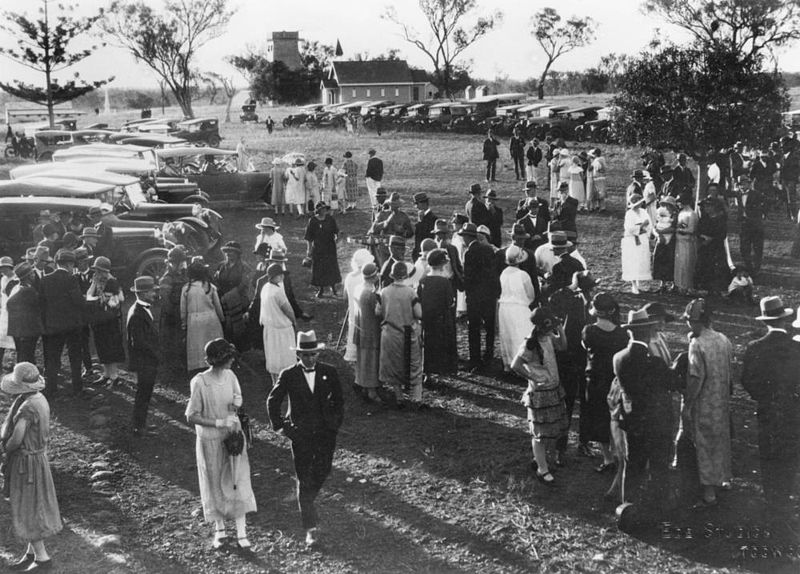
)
(712, 272)
(601, 340)
(321, 236)
(438, 301)
(105, 299)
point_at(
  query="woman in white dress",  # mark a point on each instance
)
(458, 243)
(201, 315)
(278, 320)
(635, 246)
(296, 186)
(577, 189)
(6, 276)
(352, 290)
(513, 310)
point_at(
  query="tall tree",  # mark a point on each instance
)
(168, 41)
(449, 35)
(43, 45)
(751, 27)
(697, 100)
(557, 38)
(228, 88)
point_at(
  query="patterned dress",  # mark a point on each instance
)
(350, 170)
(544, 397)
(686, 249)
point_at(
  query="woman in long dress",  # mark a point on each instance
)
(350, 170)
(535, 361)
(329, 194)
(321, 235)
(352, 285)
(635, 245)
(225, 488)
(25, 435)
(201, 315)
(513, 310)
(686, 245)
(577, 189)
(602, 340)
(6, 276)
(296, 187)
(367, 337)
(664, 251)
(278, 321)
(106, 292)
(278, 178)
(438, 301)
(712, 271)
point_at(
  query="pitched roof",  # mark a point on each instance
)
(418, 75)
(372, 72)
(329, 83)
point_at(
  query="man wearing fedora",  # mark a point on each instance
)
(62, 318)
(144, 353)
(645, 411)
(170, 286)
(752, 211)
(453, 269)
(495, 218)
(482, 288)
(566, 213)
(769, 374)
(315, 413)
(475, 208)
(534, 223)
(397, 252)
(523, 204)
(374, 175)
(232, 279)
(396, 222)
(490, 155)
(24, 314)
(426, 220)
(98, 217)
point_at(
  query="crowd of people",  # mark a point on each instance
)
(518, 279)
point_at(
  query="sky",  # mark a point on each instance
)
(507, 51)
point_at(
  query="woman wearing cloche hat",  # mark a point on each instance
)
(635, 244)
(438, 300)
(104, 298)
(29, 483)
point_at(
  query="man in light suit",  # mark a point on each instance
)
(316, 410)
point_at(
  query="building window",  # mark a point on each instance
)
(383, 92)
(369, 92)
(396, 92)
(354, 92)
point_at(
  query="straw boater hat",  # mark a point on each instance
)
(143, 284)
(772, 308)
(638, 318)
(307, 342)
(7, 262)
(484, 230)
(267, 222)
(25, 378)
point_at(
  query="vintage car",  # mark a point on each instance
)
(138, 248)
(152, 140)
(96, 151)
(563, 123)
(441, 115)
(248, 113)
(45, 142)
(91, 136)
(199, 131)
(539, 127)
(214, 170)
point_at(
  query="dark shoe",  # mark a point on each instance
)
(22, 563)
(606, 467)
(37, 566)
(546, 478)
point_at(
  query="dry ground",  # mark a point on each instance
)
(443, 490)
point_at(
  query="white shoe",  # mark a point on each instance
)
(243, 542)
(634, 289)
(219, 538)
(311, 537)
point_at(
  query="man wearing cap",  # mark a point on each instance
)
(682, 176)
(374, 175)
(490, 155)
(144, 354)
(397, 252)
(232, 279)
(24, 314)
(316, 411)
(62, 319)
(645, 410)
(426, 220)
(482, 288)
(769, 374)
(752, 211)
(170, 286)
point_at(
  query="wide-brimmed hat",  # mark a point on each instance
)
(399, 271)
(219, 351)
(369, 271)
(491, 194)
(658, 311)
(307, 342)
(563, 186)
(441, 226)
(518, 232)
(381, 192)
(696, 310)
(348, 154)
(234, 246)
(274, 270)
(484, 230)
(102, 264)
(637, 174)
(143, 284)
(468, 229)
(397, 241)
(278, 256)
(603, 305)
(638, 318)
(267, 222)
(65, 256)
(529, 185)
(320, 207)
(7, 262)
(23, 270)
(635, 200)
(475, 188)
(42, 253)
(394, 198)
(515, 255)
(437, 257)
(25, 378)
(772, 308)
(558, 240)
(421, 197)
(89, 232)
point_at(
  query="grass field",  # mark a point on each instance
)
(443, 490)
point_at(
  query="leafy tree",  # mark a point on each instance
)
(139, 101)
(752, 28)
(168, 41)
(44, 45)
(448, 38)
(697, 100)
(557, 38)
(594, 81)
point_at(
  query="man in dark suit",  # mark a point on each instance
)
(482, 288)
(374, 175)
(535, 224)
(567, 215)
(315, 413)
(62, 319)
(42, 265)
(475, 208)
(752, 211)
(495, 223)
(426, 220)
(454, 270)
(646, 413)
(682, 176)
(769, 373)
(84, 273)
(490, 155)
(522, 204)
(737, 161)
(105, 235)
(397, 252)
(144, 352)
(534, 155)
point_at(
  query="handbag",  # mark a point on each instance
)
(234, 443)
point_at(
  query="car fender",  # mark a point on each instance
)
(163, 251)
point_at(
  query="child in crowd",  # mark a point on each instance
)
(741, 287)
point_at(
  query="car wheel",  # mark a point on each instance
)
(213, 141)
(153, 265)
(10, 152)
